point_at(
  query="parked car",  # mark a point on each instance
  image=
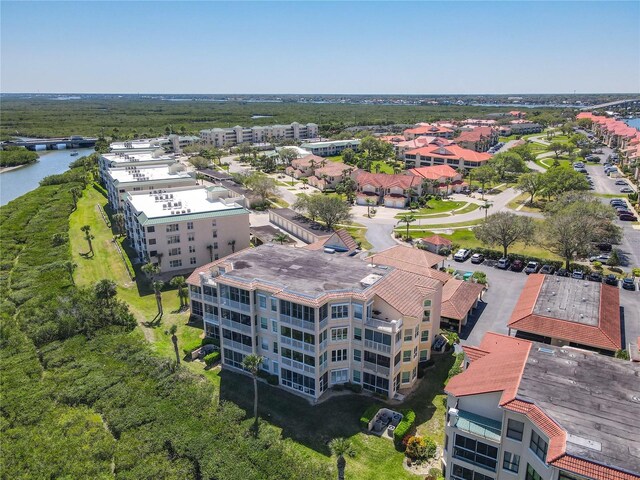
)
(462, 254)
(603, 257)
(579, 274)
(617, 201)
(517, 266)
(629, 284)
(626, 217)
(477, 258)
(503, 263)
(626, 190)
(563, 272)
(532, 267)
(604, 247)
(621, 182)
(548, 269)
(611, 279)
(595, 277)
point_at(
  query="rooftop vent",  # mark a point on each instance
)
(370, 279)
(549, 351)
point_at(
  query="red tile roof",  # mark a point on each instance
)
(592, 470)
(411, 260)
(427, 129)
(434, 172)
(451, 151)
(606, 335)
(458, 297)
(344, 236)
(473, 353)
(475, 135)
(305, 161)
(385, 180)
(405, 291)
(436, 240)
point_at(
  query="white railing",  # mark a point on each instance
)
(323, 345)
(296, 322)
(226, 343)
(303, 367)
(236, 326)
(376, 368)
(196, 295)
(210, 317)
(209, 298)
(391, 326)
(307, 347)
(323, 323)
(380, 347)
(233, 304)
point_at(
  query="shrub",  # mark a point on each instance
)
(434, 474)
(272, 380)
(480, 277)
(456, 368)
(212, 358)
(405, 426)
(210, 341)
(416, 448)
(368, 414)
(635, 272)
(190, 347)
(100, 189)
(338, 387)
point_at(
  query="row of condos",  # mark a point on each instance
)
(221, 137)
(319, 320)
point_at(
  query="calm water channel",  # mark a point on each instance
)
(22, 180)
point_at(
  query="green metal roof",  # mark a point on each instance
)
(144, 220)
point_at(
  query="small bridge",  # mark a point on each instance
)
(54, 143)
(611, 104)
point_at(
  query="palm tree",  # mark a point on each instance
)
(339, 448)
(88, 236)
(200, 177)
(487, 205)
(281, 237)
(369, 204)
(174, 339)
(210, 248)
(118, 220)
(447, 182)
(105, 290)
(150, 270)
(70, 267)
(252, 363)
(179, 283)
(157, 289)
(305, 182)
(76, 193)
(407, 219)
(232, 244)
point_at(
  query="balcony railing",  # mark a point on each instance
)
(297, 322)
(307, 347)
(323, 323)
(227, 302)
(211, 318)
(388, 326)
(376, 368)
(380, 347)
(323, 345)
(226, 343)
(210, 298)
(240, 327)
(196, 295)
(303, 367)
(478, 425)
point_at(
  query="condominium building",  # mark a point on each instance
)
(186, 227)
(319, 319)
(120, 181)
(331, 148)
(220, 137)
(452, 155)
(133, 159)
(528, 411)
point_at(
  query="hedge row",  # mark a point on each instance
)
(194, 345)
(212, 358)
(405, 426)
(497, 254)
(368, 414)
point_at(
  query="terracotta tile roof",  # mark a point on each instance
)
(475, 135)
(458, 297)
(305, 161)
(423, 141)
(385, 180)
(592, 470)
(498, 371)
(606, 335)
(451, 151)
(436, 240)
(405, 291)
(406, 254)
(332, 169)
(341, 234)
(427, 129)
(473, 353)
(392, 138)
(434, 172)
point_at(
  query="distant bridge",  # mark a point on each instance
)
(611, 104)
(54, 143)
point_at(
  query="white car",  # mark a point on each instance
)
(461, 255)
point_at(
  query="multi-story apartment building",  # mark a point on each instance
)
(133, 159)
(331, 148)
(184, 228)
(452, 155)
(319, 319)
(528, 411)
(220, 137)
(122, 180)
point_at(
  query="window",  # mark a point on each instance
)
(339, 334)
(427, 303)
(189, 225)
(426, 316)
(191, 237)
(374, 383)
(298, 381)
(192, 249)
(406, 377)
(476, 452)
(357, 311)
(406, 356)
(175, 263)
(216, 256)
(173, 239)
(339, 311)
(376, 359)
(356, 376)
(377, 337)
(357, 333)
(340, 376)
(152, 241)
(274, 326)
(515, 429)
(339, 355)
(462, 473)
(264, 323)
(408, 335)
(265, 345)
(416, 334)
(262, 301)
(424, 355)
(175, 251)
(424, 336)
(192, 260)
(151, 229)
(275, 347)
(274, 305)
(357, 355)
(196, 308)
(415, 352)
(511, 462)
(215, 234)
(532, 474)
(213, 223)
(324, 312)
(538, 446)
(215, 245)
(414, 373)
(173, 227)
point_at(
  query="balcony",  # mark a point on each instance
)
(297, 322)
(323, 345)
(307, 347)
(303, 367)
(226, 343)
(238, 327)
(477, 425)
(386, 326)
(235, 305)
(323, 323)
(210, 298)
(211, 318)
(197, 296)
(376, 368)
(380, 347)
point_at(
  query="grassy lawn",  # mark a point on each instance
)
(547, 162)
(522, 199)
(384, 167)
(335, 158)
(435, 206)
(358, 233)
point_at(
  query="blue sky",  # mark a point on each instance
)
(320, 47)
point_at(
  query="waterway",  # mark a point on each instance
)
(17, 182)
(632, 122)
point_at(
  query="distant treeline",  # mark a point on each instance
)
(14, 156)
(125, 118)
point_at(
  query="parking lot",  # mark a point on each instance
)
(502, 295)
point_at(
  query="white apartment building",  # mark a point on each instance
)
(184, 228)
(133, 159)
(319, 319)
(530, 411)
(143, 145)
(331, 148)
(122, 180)
(220, 137)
